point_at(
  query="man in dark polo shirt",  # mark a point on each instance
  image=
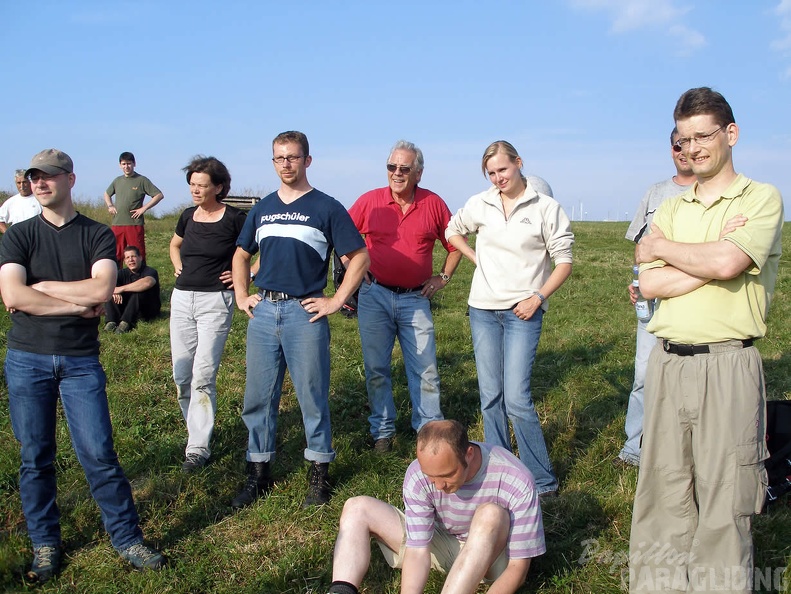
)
(136, 294)
(56, 272)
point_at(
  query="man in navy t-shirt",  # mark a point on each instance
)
(295, 229)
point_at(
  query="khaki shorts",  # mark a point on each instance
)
(445, 548)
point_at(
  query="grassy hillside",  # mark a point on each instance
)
(582, 378)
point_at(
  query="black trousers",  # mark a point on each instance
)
(134, 306)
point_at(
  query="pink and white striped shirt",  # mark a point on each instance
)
(502, 480)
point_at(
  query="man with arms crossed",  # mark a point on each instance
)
(130, 189)
(56, 272)
(401, 223)
(20, 206)
(658, 193)
(471, 511)
(702, 475)
(136, 294)
(295, 229)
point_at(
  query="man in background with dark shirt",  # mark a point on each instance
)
(136, 294)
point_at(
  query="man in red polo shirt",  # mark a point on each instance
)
(401, 222)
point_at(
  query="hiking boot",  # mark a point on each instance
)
(46, 563)
(318, 484)
(193, 462)
(258, 483)
(123, 328)
(143, 557)
(383, 445)
(110, 326)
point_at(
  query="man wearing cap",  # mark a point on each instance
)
(130, 189)
(56, 272)
(20, 206)
(401, 223)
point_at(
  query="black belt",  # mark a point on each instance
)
(688, 350)
(277, 295)
(399, 290)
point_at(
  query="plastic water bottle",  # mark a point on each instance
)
(642, 307)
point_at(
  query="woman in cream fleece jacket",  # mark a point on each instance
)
(520, 234)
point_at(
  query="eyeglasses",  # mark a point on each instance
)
(402, 168)
(289, 158)
(703, 139)
(37, 177)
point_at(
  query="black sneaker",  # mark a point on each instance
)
(110, 326)
(46, 563)
(123, 328)
(318, 484)
(193, 462)
(143, 557)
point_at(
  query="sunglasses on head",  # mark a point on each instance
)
(393, 168)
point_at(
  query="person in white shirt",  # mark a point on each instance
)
(20, 206)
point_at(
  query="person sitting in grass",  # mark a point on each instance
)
(136, 294)
(471, 511)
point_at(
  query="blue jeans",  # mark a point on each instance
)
(382, 315)
(34, 383)
(505, 348)
(279, 336)
(644, 343)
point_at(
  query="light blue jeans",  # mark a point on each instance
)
(644, 343)
(199, 325)
(279, 336)
(382, 315)
(505, 348)
(35, 382)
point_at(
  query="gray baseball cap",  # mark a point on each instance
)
(51, 161)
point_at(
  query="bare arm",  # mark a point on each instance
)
(463, 247)
(108, 200)
(241, 282)
(17, 296)
(668, 281)
(435, 283)
(720, 260)
(138, 286)
(3, 227)
(89, 292)
(175, 253)
(355, 270)
(414, 573)
(138, 212)
(513, 577)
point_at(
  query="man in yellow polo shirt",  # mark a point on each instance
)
(711, 258)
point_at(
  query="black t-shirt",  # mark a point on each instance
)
(51, 253)
(127, 277)
(207, 249)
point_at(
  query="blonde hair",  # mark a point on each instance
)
(497, 147)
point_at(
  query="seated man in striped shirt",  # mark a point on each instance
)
(471, 511)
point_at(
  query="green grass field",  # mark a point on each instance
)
(581, 381)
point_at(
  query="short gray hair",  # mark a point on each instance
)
(404, 145)
(19, 173)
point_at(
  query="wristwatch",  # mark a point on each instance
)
(444, 277)
(541, 297)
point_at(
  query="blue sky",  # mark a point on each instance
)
(584, 89)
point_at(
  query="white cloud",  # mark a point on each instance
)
(690, 39)
(783, 44)
(633, 15)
